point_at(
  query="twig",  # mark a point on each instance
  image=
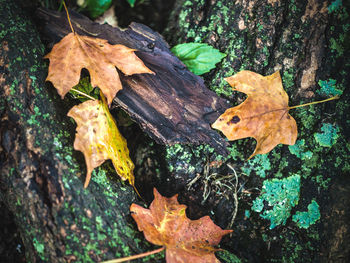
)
(135, 256)
(234, 196)
(83, 94)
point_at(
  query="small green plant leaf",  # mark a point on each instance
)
(131, 2)
(199, 58)
(95, 8)
(84, 86)
(305, 219)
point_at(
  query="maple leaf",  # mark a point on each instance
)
(75, 52)
(166, 224)
(99, 139)
(263, 115)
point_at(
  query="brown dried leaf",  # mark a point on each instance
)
(263, 115)
(99, 139)
(166, 224)
(75, 52)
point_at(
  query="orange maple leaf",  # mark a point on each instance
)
(166, 224)
(263, 115)
(75, 52)
(99, 139)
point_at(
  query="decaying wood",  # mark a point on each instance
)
(173, 106)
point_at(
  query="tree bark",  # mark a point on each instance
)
(41, 174)
(307, 41)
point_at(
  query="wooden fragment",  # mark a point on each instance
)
(172, 106)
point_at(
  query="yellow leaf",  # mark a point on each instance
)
(263, 115)
(74, 52)
(99, 139)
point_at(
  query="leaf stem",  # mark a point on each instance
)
(314, 102)
(293, 107)
(135, 256)
(70, 24)
(82, 93)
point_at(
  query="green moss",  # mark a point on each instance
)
(234, 150)
(305, 219)
(322, 181)
(99, 176)
(288, 78)
(227, 257)
(183, 157)
(280, 195)
(40, 248)
(156, 257)
(299, 149)
(292, 252)
(329, 135)
(223, 88)
(308, 117)
(337, 46)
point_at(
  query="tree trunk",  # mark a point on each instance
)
(41, 174)
(308, 42)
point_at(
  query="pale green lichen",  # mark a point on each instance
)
(334, 6)
(281, 195)
(305, 219)
(329, 135)
(329, 88)
(260, 164)
(299, 150)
